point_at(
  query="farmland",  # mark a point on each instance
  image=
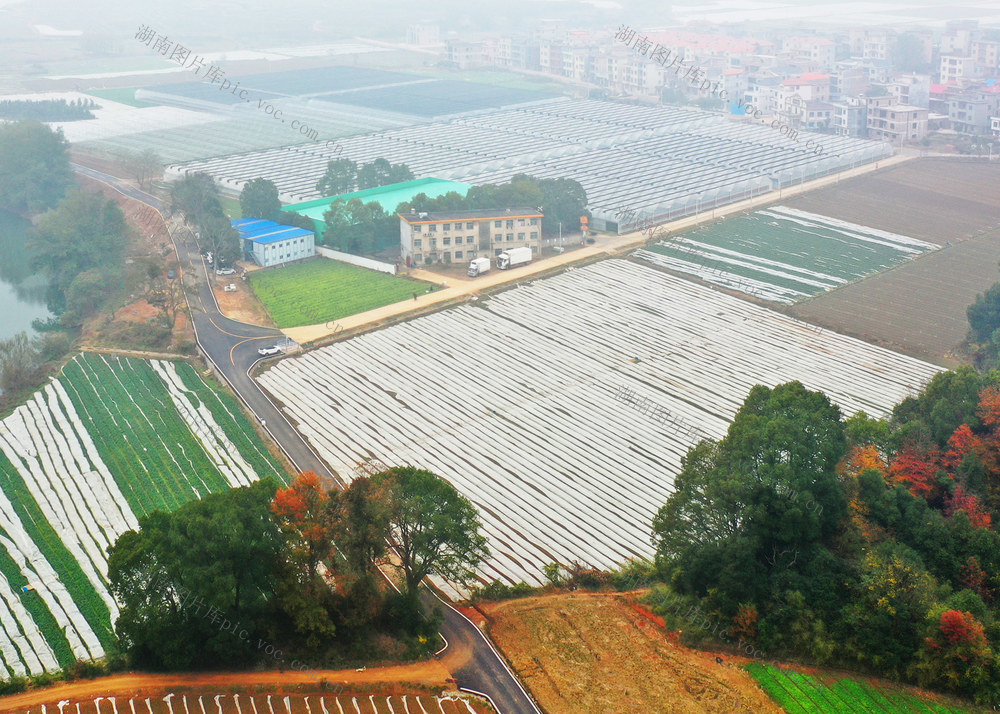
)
(801, 693)
(919, 306)
(513, 400)
(107, 442)
(320, 290)
(599, 654)
(784, 254)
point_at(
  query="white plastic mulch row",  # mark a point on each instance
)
(46, 442)
(513, 401)
(218, 447)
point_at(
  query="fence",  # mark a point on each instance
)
(357, 260)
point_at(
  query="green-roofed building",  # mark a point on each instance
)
(386, 196)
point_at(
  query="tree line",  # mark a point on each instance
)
(260, 575)
(47, 110)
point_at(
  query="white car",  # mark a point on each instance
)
(268, 351)
(225, 271)
(231, 288)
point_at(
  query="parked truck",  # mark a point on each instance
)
(478, 266)
(514, 257)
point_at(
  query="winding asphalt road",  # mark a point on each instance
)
(232, 346)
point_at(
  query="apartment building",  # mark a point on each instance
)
(954, 69)
(850, 117)
(460, 236)
(897, 123)
(819, 52)
(911, 89)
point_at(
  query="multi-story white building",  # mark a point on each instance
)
(460, 236)
(819, 52)
(955, 68)
(896, 123)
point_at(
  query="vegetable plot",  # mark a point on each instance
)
(513, 401)
(803, 694)
(110, 440)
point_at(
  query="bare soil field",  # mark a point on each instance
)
(937, 200)
(917, 308)
(597, 653)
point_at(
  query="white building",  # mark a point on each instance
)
(271, 243)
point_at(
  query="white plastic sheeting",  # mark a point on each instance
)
(512, 400)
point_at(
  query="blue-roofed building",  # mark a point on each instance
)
(270, 243)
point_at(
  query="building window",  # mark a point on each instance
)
(417, 243)
(510, 237)
(520, 222)
(416, 229)
(470, 239)
(498, 251)
(497, 224)
(520, 236)
(469, 226)
(534, 235)
(434, 242)
(534, 221)
(458, 255)
(497, 237)
(447, 240)
(510, 223)
(432, 228)
(446, 226)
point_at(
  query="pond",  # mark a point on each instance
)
(22, 292)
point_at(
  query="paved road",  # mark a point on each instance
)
(232, 347)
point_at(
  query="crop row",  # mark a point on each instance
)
(44, 536)
(141, 438)
(800, 693)
(228, 416)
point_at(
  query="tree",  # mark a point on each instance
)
(85, 231)
(957, 656)
(341, 177)
(219, 236)
(435, 530)
(34, 167)
(143, 166)
(19, 362)
(381, 173)
(984, 314)
(301, 513)
(754, 510)
(908, 53)
(259, 199)
(181, 574)
(893, 596)
(197, 197)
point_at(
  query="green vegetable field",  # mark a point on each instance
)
(801, 693)
(108, 441)
(320, 290)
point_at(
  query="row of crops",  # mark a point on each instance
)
(801, 693)
(783, 254)
(513, 400)
(111, 439)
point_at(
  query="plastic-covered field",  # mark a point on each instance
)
(513, 400)
(665, 162)
(110, 440)
(230, 703)
(436, 98)
(784, 254)
(289, 83)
